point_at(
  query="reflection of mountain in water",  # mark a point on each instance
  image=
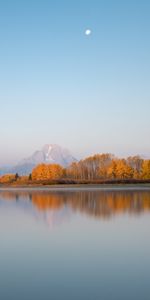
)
(57, 206)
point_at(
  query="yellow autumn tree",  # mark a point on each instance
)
(135, 162)
(111, 171)
(7, 178)
(146, 169)
(47, 172)
(55, 171)
(123, 170)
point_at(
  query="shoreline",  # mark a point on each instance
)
(76, 187)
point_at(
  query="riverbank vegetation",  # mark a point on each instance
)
(99, 168)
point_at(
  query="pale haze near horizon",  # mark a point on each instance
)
(89, 94)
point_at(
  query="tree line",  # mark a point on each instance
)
(107, 166)
(97, 167)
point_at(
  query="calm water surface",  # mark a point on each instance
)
(83, 244)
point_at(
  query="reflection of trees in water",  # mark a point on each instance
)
(94, 203)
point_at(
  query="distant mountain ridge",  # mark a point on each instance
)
(49, 154)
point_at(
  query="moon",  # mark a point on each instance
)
(88, 31)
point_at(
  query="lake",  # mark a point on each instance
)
(87, 243)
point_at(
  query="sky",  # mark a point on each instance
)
(88, 93)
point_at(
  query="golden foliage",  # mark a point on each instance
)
(99, 166)
(47, 172)
(7, 178)
(146, 169)
(106, 166)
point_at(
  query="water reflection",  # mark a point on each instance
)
(84, 258)
(98, 204)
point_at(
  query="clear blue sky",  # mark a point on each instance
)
(57, 85)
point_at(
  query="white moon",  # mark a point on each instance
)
(88, 31)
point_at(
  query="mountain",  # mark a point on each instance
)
(49, 154)
(144, 156)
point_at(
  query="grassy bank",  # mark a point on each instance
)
(68, 182)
